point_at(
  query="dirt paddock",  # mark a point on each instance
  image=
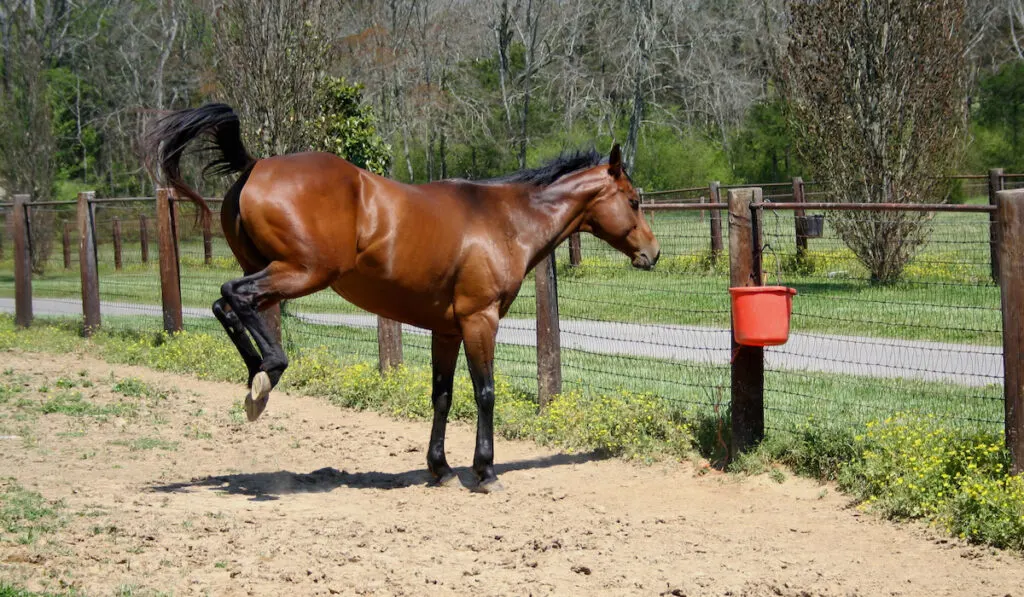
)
(182, 497)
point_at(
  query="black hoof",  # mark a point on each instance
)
(492, 485)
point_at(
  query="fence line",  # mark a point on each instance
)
(593, 329)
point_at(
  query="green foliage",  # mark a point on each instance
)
(1001, 110)
(347, 127)
(911, 466)
(762, 149)
(24, 514)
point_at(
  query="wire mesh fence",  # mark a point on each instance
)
(662, 332)
(863, 348)
(860, 349)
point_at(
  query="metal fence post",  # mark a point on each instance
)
(995, 184)
(715, 196)
(87, 263)
(747, 361)
(1010, 206)
(389, 344)
(549, 341)
(170, 271)
(799, 217)
(22, 263)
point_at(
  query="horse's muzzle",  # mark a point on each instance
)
(644, 261)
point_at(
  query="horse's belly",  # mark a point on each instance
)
(428, 309)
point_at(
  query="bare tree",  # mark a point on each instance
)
(270, 55)
(876, 89)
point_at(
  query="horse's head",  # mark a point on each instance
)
(614, 216)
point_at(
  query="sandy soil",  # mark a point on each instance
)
(316, 500)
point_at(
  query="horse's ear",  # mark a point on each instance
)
(615, 162)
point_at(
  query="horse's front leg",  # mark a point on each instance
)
(444, 356)
(479, 331)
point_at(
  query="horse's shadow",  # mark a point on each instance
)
(271, 486)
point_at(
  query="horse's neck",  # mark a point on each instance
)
(558, 210)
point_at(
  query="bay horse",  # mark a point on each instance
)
(448, 256)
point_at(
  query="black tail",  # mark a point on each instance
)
(172, 133)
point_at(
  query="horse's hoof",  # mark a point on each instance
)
(258, 396)
(449, 480)
(490, 486)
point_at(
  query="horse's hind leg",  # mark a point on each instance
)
(253, 293)
(444, 357)
(236, 331)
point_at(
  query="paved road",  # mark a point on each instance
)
(964, 364)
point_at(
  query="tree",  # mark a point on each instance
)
(346, 127)
(270, 55)
(876, 92)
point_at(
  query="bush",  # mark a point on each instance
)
(910, 466)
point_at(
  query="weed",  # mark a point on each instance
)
(26, 514)
(146, 443)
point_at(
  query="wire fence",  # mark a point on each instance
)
(859, 350)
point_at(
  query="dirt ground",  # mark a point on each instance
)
(183, 497)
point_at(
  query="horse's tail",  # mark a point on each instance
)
(173, 132)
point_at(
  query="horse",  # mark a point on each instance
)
(448, 256)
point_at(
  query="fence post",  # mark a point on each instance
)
(799, 217)
(207, 242)
(389, 344)
(170, 272)
(66, 241)
(87, 263)
(117, 243)
(144, 237)
(715, 196)
(747, 361)
(995, 184)
(22, 263)
(575, 250)
(549, 342)
(1010, 205)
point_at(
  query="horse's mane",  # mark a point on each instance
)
(566, 163)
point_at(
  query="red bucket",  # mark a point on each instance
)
(760, 314)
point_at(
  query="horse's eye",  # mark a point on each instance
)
(634, 203)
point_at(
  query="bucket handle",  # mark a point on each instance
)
(778, 265)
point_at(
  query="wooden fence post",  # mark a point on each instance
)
(117, 243)
(575, 250)
(207, 242)
(144, 237)
(22, 263)
(170, 272)
(747, 361)
(1010, 205)
(66, 241)
(799, 217)
(995, 184)
(389, 344)
(87, 263)
(549, 342)
(715, 196)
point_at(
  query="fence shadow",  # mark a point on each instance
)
(271, 486)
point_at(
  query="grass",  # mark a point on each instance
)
(947, 294)
(146, 443)
(25, 514)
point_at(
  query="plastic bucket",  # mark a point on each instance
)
(760, 314)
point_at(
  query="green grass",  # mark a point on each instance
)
(73, 404)
(947, 294)
(140, 444)
(25, 514)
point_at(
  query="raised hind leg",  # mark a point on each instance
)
(236, 331)
(249, 295)
(479, 332)
(444, 356)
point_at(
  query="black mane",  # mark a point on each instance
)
(566, 163)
